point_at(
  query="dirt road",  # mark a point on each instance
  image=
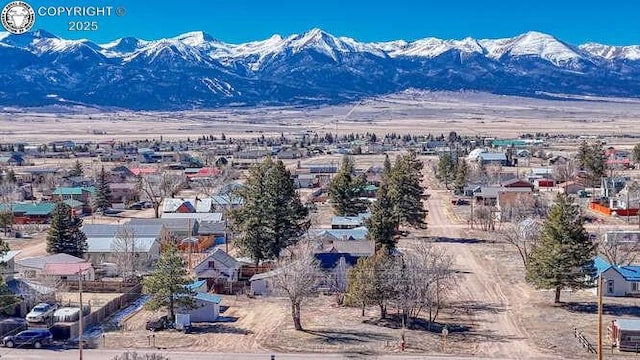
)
(490, 304)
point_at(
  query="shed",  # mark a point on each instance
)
(206, 308)
(625, 334)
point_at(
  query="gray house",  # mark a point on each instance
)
(218, 266)
(105, 242)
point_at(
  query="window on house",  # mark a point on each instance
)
(635, 286)
(212, 264)
(610, 288)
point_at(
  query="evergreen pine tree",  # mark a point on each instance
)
(102, 199)
(272, 216)
(380, 224)
(564, 256)
(446, 169)
(405, 190)
(167, 284)
(65, 235)
(77, 169)
(461, 176)
(346, 189)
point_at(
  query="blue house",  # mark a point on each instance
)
(618, 280)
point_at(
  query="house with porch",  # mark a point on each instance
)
(54, 267)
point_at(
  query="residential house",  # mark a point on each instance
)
(358, 233)
(177, 228)
(105, 242)
(124, 192)
(571, 187)
(54, 267)
(517, 183)
(13, 159)
(487, 158)
(222, 203)
(82, 194)
(9, 264)
(611, 186)
(217, 267)
(181, 205)
(349, 222)
(31, 213)
(618, 280)
(488, 195)
(306, 181)
(338, 257)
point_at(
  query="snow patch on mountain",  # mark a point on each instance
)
(610, 52)
(531, 44)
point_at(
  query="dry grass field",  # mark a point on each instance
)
(466, 113)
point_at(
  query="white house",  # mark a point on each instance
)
(217, 265)
(618, 280)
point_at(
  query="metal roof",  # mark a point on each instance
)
(147, 229)
(628, 324)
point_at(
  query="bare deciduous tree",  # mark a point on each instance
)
(297, 277)
(523, 235)
(125, 247)
(484, 215)
(563, 171)
(156, 187)
(7, 196)
(424, 276)
(618, 248)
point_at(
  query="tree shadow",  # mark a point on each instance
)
(218, 329)
(347, 337)
(442, 239)
(394, 321)
(473, 308)
(607, 309)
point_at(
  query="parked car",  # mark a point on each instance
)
(460, 202)
(34, 337)
(160, 323)
(41, 312)
(136, 206)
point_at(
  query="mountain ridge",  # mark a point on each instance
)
(196, 70)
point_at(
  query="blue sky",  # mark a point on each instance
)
(245, 20)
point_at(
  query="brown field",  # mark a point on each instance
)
(466, 113)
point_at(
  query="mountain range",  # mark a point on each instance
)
(195, 70)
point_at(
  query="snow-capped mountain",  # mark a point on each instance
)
(197, 70)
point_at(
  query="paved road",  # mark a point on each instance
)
(32, 354)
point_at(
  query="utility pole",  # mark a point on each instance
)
(80, 322)
(600, 288)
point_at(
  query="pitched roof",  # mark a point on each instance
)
(141, 229)
(196, 284)
(203, 216)
(208, 298)
(211, 227)
(31, 209)
(111, 244)
(330, 260)
(628, 324)
(170, 205)
(350, 220)
(67, 269)
(359, 233)
(174, 225)
(222, 257)
(73, 190)
(40, 262)
(628, 272)
(357, 248)
(9, 255)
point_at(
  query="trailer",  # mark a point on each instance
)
(624, 334)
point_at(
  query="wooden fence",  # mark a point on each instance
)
(584, 341)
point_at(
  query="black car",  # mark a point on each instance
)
(34, 337)
(160, 323)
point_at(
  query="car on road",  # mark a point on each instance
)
(460, 202)
(41, 312)
(33, 337)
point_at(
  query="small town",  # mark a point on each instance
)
(353, 244)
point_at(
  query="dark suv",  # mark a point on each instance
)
(34, 337)
(160, 323)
